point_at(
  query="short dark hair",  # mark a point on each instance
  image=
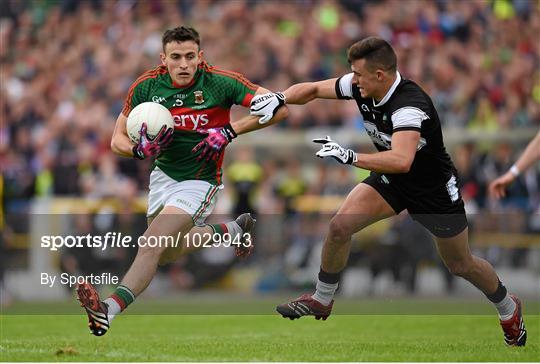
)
(180, 34)
(377, 52)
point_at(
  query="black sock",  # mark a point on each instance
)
(498, 295)
(331, 278)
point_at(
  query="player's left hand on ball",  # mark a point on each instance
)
(214, 143)
(164, 137)
(332, 149)
(151, 147)
(266, 106)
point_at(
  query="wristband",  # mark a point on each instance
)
(229, 132)
(354, 157)
(136, 154)
(514, 170)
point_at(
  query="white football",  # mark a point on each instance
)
(153, 114)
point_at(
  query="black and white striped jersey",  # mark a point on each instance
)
(405, 107)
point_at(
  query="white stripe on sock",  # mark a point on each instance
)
(114, 308)
(506, 308)
(233, 229)
(325, 292)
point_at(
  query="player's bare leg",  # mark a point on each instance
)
(457, 257)
(363, 207)
(169, 222)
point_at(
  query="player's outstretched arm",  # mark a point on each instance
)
(251, 122)
(266, 105)
(120, 142)
(302, 93)
(211, 147)
(497, 188)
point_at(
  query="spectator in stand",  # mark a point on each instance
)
(480, 60)
(245, 174)
(497, 188)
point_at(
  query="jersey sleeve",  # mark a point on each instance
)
(410, 110)
(344, 87)
(138, 93)
(242, 89)
(408, 118)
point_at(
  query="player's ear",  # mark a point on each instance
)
(162, 56)
(380, 75)
(201, 56)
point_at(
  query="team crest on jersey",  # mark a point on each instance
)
(385, 119)
(365, 108)
(199, 99)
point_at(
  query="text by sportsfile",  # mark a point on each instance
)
(120, 240)
(69, 280)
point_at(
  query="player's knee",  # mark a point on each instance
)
(460, 268)
(339, 230)
(151, 251)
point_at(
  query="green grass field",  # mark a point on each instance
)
(198, 337)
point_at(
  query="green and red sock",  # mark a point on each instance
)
(121, 298)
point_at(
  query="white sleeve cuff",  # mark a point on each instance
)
(408, 117)
(345, 85)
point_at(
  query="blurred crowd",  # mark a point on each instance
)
(66, 65)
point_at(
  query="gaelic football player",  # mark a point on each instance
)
(412, 171)
(187, 175)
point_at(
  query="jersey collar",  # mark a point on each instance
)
(390, 92)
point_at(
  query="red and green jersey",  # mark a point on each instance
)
(203, 104)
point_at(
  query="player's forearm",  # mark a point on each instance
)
(530, 155)
(301, 93)
(250, 123)
(120, 142)
(121, 145)
(384, 162)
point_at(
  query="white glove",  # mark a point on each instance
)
(332, 149)
(266, 106)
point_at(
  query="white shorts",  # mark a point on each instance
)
(197, 198)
